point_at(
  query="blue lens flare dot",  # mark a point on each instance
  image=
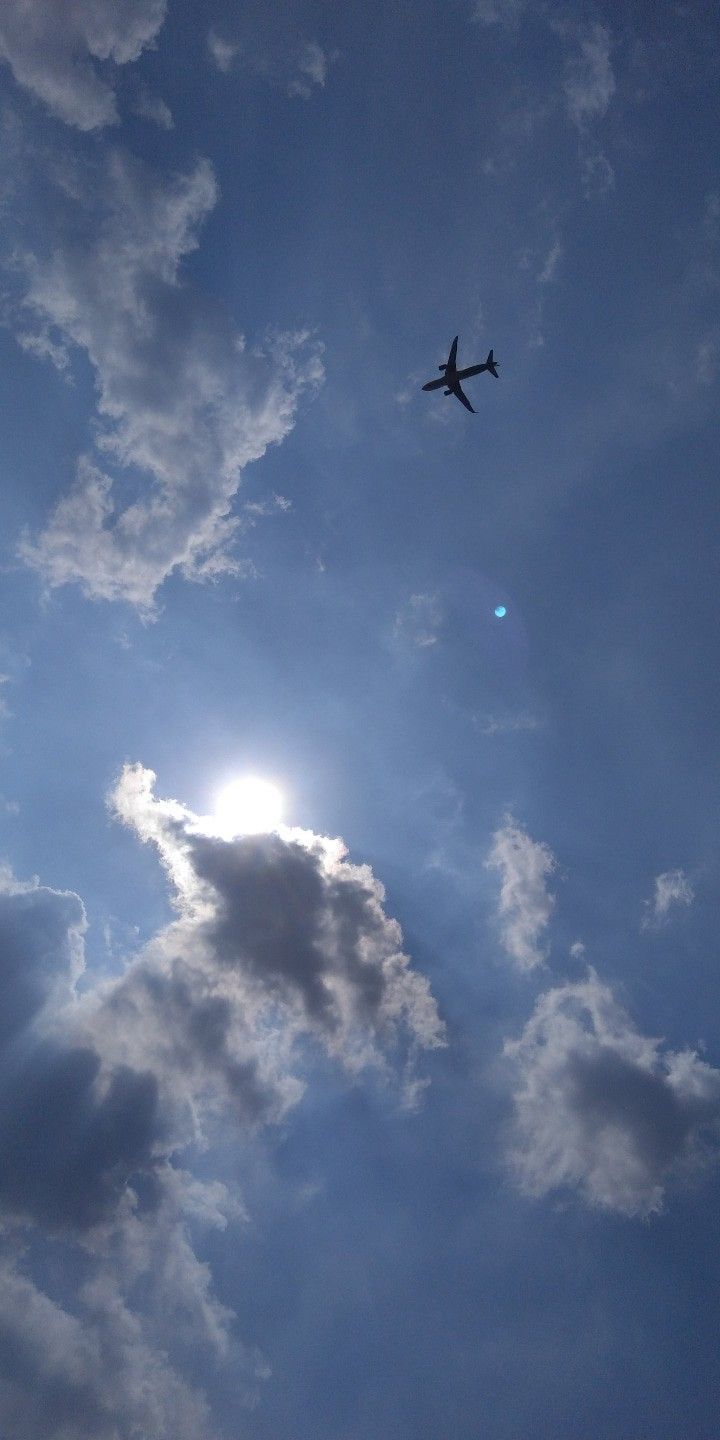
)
(500, 611)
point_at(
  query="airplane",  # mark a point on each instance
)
(452, 376)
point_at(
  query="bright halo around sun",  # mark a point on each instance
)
(249, 806)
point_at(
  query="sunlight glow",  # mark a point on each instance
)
(248, 806)
(500, 611)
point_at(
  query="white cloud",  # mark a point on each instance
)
(525, 906)
(671, 888)
(707, 356)
(499, 12)
(508, 724)
(589, 81)
(183, 406)
(4, 707)
(266, 49)
(552, 260)
(597, 173)
(417, 622)
(312, 68)
(577, 950)
(222, 52)
(51, 49)
(601, 1108)
(152, 107)
(94, 1375)
(589, 88)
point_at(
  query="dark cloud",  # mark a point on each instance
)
(69, 1152)
(276, 936)
(41, 936)
(85, 1163)
(281, 918)
(294, 926)
(602, 1108)
(200, 1041)
(69, 1138)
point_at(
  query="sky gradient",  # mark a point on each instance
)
(414, 1132)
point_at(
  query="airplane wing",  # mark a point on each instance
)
(453, 354)
(458, 392)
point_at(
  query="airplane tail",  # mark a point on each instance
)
(490, 365)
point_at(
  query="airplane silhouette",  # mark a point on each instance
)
(452, 376)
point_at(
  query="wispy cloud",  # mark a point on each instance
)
(589, 89)
(4, 708)
(551, 262)
(182, 402)
(517, 724)
(297, 68)
(589, 79)
(499, 12)
(671, 888)
(312, 69)
(53, 51)
(525, 905)
(222, 52)
(603, 1109)
(707, 356)
(417, 622)
(152, 107)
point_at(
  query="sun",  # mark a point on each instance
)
(248, 806)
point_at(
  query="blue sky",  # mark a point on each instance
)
(414, 1132)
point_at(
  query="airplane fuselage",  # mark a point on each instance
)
(450, 378)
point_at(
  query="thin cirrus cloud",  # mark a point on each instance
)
(182, 405)
(53, 51)
(418, 621)
(222, 52)
(589, 78)
(499, 12)
(297, 68)
(589, 89)
(588, 86)
(670, 889)
(525, 904)
(603, 1109)
(152, 107)
(276, 938)
(311, 67)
